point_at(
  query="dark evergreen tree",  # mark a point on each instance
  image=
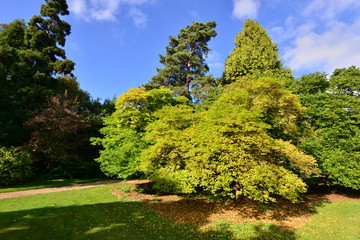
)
(184, 63)
(32, 67)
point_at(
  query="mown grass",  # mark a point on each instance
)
(94, 213)
(336, 220)
(49, 184)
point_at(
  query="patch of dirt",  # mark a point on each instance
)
(202, 212)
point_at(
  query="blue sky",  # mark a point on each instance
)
(115, 43)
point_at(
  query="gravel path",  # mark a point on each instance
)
(57, 189)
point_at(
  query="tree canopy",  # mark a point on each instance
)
(184, 63)
(254, 53)
(123, 132)
(333, 110)
(228, 150)
(42, 105)
(255, 133)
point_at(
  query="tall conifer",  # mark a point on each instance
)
(184, 63)
(254, 53)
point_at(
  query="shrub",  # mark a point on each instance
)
(15, 166)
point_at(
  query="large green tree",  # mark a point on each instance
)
(254, 53)
(346, 80)
(333, 110)
(42, 106)
(122, 139)
(229, 150)
(184, 62)
(32, 63)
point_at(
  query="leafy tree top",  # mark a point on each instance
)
(184, 63)
(254, 53)
(346, 80)
(333, 110)
(46, 32)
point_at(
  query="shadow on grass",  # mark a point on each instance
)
(201, 211)
(116, 220)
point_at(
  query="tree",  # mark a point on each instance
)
(13, 69)
(15, 166)
(254, 53)
(57, 136)
(333, 110)
(229, 149)
(311, 84)
(346, 80)
(123, 132)
(32, 63)
(184, 62)
(46, 32)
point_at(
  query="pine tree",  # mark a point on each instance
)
(184, 63)
(46, 32)
(254, 53)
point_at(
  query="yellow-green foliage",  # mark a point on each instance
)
(254, 53)
(123, 132)
(15, 166)
(230, 149)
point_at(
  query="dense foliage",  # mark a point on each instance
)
(42, 105)
(333, 109)
(124, 129)
(246, 134)
(254, 53)
(184, 63)
(15, 166)
(228, 150)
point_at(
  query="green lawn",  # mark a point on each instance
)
(94, 213)
(48, 184)
(336, 220)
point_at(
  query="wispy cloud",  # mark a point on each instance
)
(329, 9)
(107, 10)
(215, 63)
(138, 17)
(245, 8)
(337, 47)
(329, 38)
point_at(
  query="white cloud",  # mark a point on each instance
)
(337, 47)
(245, 8)
(136, 2)
(107, 10)
(329, 9)
(326, 40)
(78, 7)
(138, 17)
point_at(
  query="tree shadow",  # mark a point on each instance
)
(185, 218)
(201, 211)
(324, 190)
(116, 220)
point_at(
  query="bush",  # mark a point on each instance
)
(15, 166)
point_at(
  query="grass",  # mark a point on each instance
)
(336, 220)
(49, 184)
(94, 213)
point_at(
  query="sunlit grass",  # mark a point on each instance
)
(336, 220)
(95, 213)
(48, 184)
